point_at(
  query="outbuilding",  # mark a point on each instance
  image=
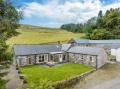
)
(91, 56)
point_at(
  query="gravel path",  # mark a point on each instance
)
(14, 81)
(107, 77)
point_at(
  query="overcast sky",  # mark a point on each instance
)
(54, 13)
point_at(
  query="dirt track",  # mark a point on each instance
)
(107, 77)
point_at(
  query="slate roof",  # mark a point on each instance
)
(36, 49)
(105, 41)
(86, 50)
(76, 40)
(65, 47)
(51, 48)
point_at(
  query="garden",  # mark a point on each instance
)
(37, 74)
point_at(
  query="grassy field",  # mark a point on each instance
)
(53, 74)
(42, 35)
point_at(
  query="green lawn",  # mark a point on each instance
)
(53, 74)
(42, 35)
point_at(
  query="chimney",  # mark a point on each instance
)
(58, 42)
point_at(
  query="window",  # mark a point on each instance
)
(41, 58)
(64, 57)
(91, 59)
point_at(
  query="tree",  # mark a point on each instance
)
(112, 19)
(99, 34)
(95, 26)
(89, 26)
(107, 26)
(76, 28)
(100, 19)
(9, 22)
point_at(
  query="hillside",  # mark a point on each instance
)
(34, 35)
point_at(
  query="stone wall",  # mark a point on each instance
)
(89, 60)
(65, 83)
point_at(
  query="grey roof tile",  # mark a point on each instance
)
(77, 40)
(35, 49)
(86, 50)
(65, 47)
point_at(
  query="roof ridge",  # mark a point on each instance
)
(87, 47)
(37, 44)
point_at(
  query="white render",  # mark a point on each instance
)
(60, 57)
(116, 53)
(101, 58)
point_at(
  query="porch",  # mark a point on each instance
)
(51, 57)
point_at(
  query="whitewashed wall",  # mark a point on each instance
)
(116, 53)
(102, 58)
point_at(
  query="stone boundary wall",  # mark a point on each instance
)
(65, 83)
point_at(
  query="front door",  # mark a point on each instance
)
(30, 62)
(93, 61)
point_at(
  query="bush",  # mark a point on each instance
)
(17, 68)
(2, 84)
(7, 57)
(19, 72)
(42, 84)
(25, 80)
(22, 76)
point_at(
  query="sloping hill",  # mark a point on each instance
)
(36, 35)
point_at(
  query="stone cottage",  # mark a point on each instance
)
(36, 54)
(26, 54)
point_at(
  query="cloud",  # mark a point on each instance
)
(67, 12)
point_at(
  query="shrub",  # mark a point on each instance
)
(17, 68)
(25, 80)
(42, 84)
(19, 72)
(22, 76)
(2, 84)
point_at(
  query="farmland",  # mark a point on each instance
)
(42, 35)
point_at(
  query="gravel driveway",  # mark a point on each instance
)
(14, 81)
(107, 77)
